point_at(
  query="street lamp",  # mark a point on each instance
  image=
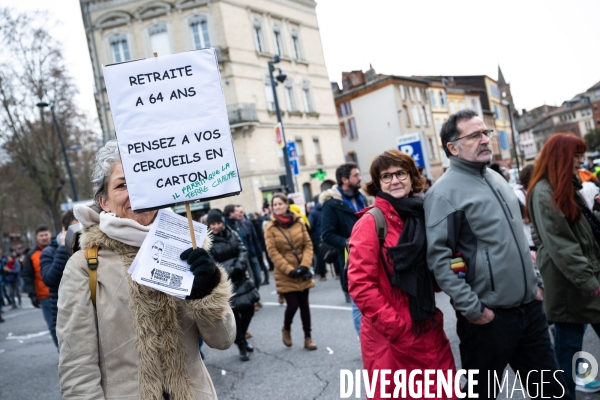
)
(41, 105)
(281, 78)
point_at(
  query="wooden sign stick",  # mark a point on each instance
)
(188, 212)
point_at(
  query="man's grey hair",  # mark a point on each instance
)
(449, 130)
(106, 158)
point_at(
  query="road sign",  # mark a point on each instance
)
(413, 144)
(279, 136)
(291, 149)
(295, 166)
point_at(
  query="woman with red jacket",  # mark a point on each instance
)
(390, 282)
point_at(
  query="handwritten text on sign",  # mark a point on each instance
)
(172, 128)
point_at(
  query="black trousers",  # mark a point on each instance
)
(242, 316)
(294, 301)
(517, 337)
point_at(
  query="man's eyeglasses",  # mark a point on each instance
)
(476, 135)
(387, 177)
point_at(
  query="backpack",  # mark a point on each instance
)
(91, 255)
(380, 229)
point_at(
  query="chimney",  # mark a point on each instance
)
(524, 111)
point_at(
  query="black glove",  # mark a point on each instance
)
(297, 273)
(34, 300)
(206, 274)
(304, 269)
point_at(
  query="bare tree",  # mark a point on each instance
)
(32, 70)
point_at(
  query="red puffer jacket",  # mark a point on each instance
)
(386, 336)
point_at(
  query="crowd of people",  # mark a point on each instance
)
(514, 262)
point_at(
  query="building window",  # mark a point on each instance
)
(120, 49)
(277, 40)
(405, 110)
(474, 104)
(452, 107)
(461, 105)
(300, 151)
(442, 99)
(342, 129)
(494, 90)
(296, 45)
(403, 92)
(308, 105)
(317, 150)
(423, 115)
(353, 135)
(351, 157)
(269, 95)
(258, 38)
(438, 126)
(496, 114)
(432, 149)
(289, 95)
(432, 98)
(411, 93)
(415, 115)
(345, 109)
(159, 40)
(418, 93)
(503, 141)
(199, 26)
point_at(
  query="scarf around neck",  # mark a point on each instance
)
(410, 272)
(286, 219)
(123, 230)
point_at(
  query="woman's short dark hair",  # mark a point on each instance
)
(449, 130)
(393, 158)
(281, 197)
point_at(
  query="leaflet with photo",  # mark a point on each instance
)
(157, 264)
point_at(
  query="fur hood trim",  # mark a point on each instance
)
(329, 194)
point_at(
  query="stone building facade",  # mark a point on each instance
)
(246, 35)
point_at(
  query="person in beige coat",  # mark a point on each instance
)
(135, 342)
(290, 248)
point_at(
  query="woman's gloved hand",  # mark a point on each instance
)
(206, 274)
(297, 273)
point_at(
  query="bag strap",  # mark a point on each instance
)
(380, 224)
(91, 255)
(290, 243)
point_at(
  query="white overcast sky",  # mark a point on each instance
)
(548, 50)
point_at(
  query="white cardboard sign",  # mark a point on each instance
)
(172, 128)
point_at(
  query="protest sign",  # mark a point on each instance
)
(157, 263)
(172, 128)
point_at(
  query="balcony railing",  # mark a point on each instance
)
(242, 114)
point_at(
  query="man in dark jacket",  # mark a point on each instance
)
(314, 219)
(53, 261)
(340, 205)
(472, 213)
(32, 278)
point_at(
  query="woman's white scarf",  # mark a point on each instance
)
(123, 230)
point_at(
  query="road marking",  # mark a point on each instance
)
(329, 350)
(268, 303)
(28, 336)
(223, 372)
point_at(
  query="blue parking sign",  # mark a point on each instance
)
(411, 145)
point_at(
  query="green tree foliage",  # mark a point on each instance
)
(592, 139)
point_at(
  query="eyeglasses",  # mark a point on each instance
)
(476, 136)
(387, 177)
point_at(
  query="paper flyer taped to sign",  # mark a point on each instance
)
(157, 263)
(172, 128)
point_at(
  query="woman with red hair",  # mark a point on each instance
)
(569, 257)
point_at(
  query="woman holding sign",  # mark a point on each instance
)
(290, 248)
(127, 340)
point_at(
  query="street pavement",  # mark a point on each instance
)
(28, 358)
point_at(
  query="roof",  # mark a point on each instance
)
(596, 86)
(375, 84)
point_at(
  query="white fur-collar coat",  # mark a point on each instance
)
(137, 343)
